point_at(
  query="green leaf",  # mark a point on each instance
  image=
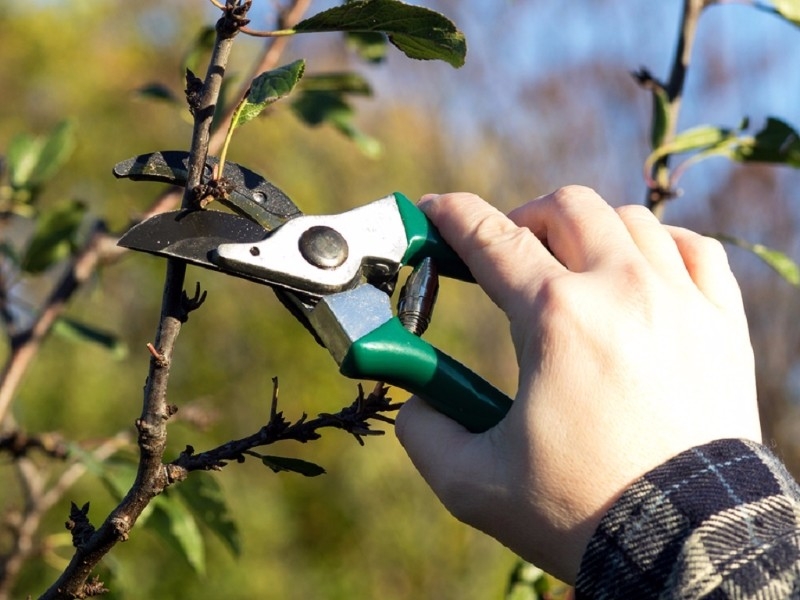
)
(22, 155)
(315, 108)
(158, 91)
(55, 236)
(342, 83)
(416, 31)
(82, 332)
(696, 138)
(776, 260)
(266, 89)
(660, 116)
(32, 161)
(777, 142)
(789, 10)
(205, 498)
(56, 150)
(172, 521)
(117, 474)
(370, 45)
(292, 465)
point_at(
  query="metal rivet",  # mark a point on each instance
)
(254, 251)
(323, 247)
(259, 197)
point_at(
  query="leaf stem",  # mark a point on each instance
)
(268, 34)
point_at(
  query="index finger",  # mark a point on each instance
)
(505, 259)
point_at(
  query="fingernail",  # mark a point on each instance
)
(426, 199)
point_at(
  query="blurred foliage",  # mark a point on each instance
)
(369, 527)
(342, 535)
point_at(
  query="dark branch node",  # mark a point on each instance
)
(95, 587)
(658, 194)
(194, 92)
(234, 17)
(78, 523)
(647, 80)
(204, 194)
(189, 305)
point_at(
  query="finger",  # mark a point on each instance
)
(580, 228)
(429, 438)
(507, 261)
(706, 262)
(654, 242)
(448, 457)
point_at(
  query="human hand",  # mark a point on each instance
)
(632, 346)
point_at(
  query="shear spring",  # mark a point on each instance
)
(418, 297)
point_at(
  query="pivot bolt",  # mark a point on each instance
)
(323, 247)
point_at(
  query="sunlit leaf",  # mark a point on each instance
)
(418, 32)
(777, 142)
(34, 160)
(173, 522)
(292, 465)
(696, 138)
(55, 236)
(776, 260)
(22, 155)
(266, 89)
(82, 332)
(56, 150)
(206, 499)
(788, 9)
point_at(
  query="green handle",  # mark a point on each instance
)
(425, 240)
(393, 354)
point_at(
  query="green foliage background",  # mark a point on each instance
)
(370, 527)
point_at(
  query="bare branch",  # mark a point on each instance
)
(354, 419)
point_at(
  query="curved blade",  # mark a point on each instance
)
(192, 236)
(252, 196)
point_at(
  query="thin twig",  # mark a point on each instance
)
(38, 501)
(354, 419)
(692, 9)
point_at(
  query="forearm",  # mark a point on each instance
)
(724, 517)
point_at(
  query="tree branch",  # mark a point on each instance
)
(151, 477)
(692, 9)
(354, 419)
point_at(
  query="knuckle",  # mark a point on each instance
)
(635, 211)
(492, 230)
(572, 195)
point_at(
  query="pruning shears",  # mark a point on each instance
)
(335, 273)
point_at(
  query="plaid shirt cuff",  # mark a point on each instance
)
(717, 521)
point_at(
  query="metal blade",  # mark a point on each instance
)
(252, 196)
(192, 236)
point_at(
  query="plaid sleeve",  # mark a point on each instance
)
(718, 521)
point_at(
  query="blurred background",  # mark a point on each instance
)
(545, 99)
